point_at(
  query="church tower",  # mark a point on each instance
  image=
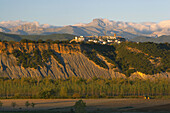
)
(114, 34)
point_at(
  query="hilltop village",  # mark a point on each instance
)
(100, 39)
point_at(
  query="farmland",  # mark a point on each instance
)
(93, 105)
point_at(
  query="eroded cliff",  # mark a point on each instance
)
(29, 47)
(75, 64)
(72, 63)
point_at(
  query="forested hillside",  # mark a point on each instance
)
(129, 57)
(148, 58)
(161, 39)
(14, 37)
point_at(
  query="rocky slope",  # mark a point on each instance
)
(74, 63)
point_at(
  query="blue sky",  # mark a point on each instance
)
(68, 12)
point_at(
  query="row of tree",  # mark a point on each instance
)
(75, 87)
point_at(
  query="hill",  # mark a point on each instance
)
(161, 39)
(14, 37)
(62, 60)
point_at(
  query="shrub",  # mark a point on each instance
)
(129, 72)
(1, 104)
(80, 107)
(33, 105)
(40, 41)
(27, 104)
(56, 42)
(13, 104)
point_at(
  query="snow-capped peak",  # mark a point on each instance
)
(35, 23)
(9, 24)
(80, 24)
(164, 24)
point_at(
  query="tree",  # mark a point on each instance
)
(40, 41)
(76, 95)
(80, 107)
(47, 93)
(32, 105)
(1, 104)
(27, 104)
(13, 104)
(24, 41)
(63, 92)
(49, 41)
(56, 41)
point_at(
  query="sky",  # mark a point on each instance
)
(69, 12)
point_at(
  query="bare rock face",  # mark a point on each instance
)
(144, 76)
(75, 64)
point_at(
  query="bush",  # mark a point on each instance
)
(56, 42)
(40, 41)
(1, 104)
(27, 104)
(33, 105)
(13, 104)
(80, 107)
(128, 73)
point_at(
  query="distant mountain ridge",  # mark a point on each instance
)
(10, 24)
(98, 27)
(161, 39)
(15, 37)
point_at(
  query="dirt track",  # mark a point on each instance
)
(100, 105)
(159, 108)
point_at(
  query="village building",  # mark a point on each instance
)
(100, 39)
(79, 39)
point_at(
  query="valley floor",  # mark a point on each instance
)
(93, 105)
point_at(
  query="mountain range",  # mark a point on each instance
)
(98, 27)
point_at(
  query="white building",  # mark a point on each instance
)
(90, 40)
(100, 39)
(109, 40)
(104, 42)
(79, 39)
(95, 41)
